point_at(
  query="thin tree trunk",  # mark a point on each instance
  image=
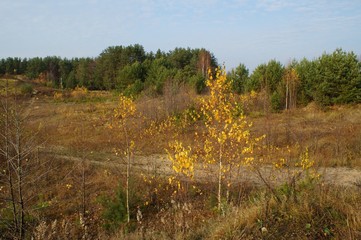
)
(287, 95)
(83, 188)
(220, 179)
(268, 185)
(20, 177)
(83, 200)
(128, 171)
(7, 158)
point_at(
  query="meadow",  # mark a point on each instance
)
(94, 169)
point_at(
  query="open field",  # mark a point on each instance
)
(79, 156)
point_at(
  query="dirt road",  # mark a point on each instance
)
(158, 164)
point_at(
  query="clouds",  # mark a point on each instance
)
(251, 31)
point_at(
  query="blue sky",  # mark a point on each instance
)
(236, 31)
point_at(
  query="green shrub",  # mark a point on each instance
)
(114, 210)
(26, 89)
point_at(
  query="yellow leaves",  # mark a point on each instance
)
(248, 161)
(279, 164)
(222, 137)
(182, 159)
(126, 108)
(131, 146)
(306, 163)
(227, 129)
(226, 134)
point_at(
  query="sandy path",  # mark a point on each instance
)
(157, 164)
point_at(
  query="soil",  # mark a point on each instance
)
(159, 165)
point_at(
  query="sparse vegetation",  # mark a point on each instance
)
(94, 169)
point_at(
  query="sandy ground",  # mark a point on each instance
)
(158, 164)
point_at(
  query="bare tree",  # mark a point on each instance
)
(204, 62)
(16, 147)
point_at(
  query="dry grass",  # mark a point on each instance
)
(77, 125)
(12, 86)
(320, 213)
(332, 136)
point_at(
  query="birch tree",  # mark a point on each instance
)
(126, 110)
(226, 138)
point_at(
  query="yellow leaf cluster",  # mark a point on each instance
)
(280, 163)
(228, 137)
(305, 161)
(182, 159)
(126, 108)
(79, 92)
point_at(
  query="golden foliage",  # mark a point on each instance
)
(227, 129)
(182, 158)
(126, 108)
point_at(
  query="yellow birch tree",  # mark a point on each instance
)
(226, 142)
(126, 110)
(291, 80)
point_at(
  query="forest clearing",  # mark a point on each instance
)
(221, 162)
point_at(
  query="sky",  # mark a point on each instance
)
(251, 32)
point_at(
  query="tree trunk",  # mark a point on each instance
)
(287, 95)
(127, 197)
(20, 177)
(220, 180)
(128, 171)
(84, 226)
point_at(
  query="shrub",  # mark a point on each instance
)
(79, 92)
(114, 210)
(26, 89)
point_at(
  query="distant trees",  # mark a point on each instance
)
(291, 82)
(339, 78)
(330, 79)
(239, 77)
(35, 67)
(128, 69)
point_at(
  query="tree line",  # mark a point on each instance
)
(129, 69)
(329, 79)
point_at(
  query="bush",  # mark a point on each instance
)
(79, 92)
(114, 210)
(26, 89)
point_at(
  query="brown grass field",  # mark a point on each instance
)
(76, 140)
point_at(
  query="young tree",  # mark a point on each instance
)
(123, 113)
(226, 139)
(16, 147)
